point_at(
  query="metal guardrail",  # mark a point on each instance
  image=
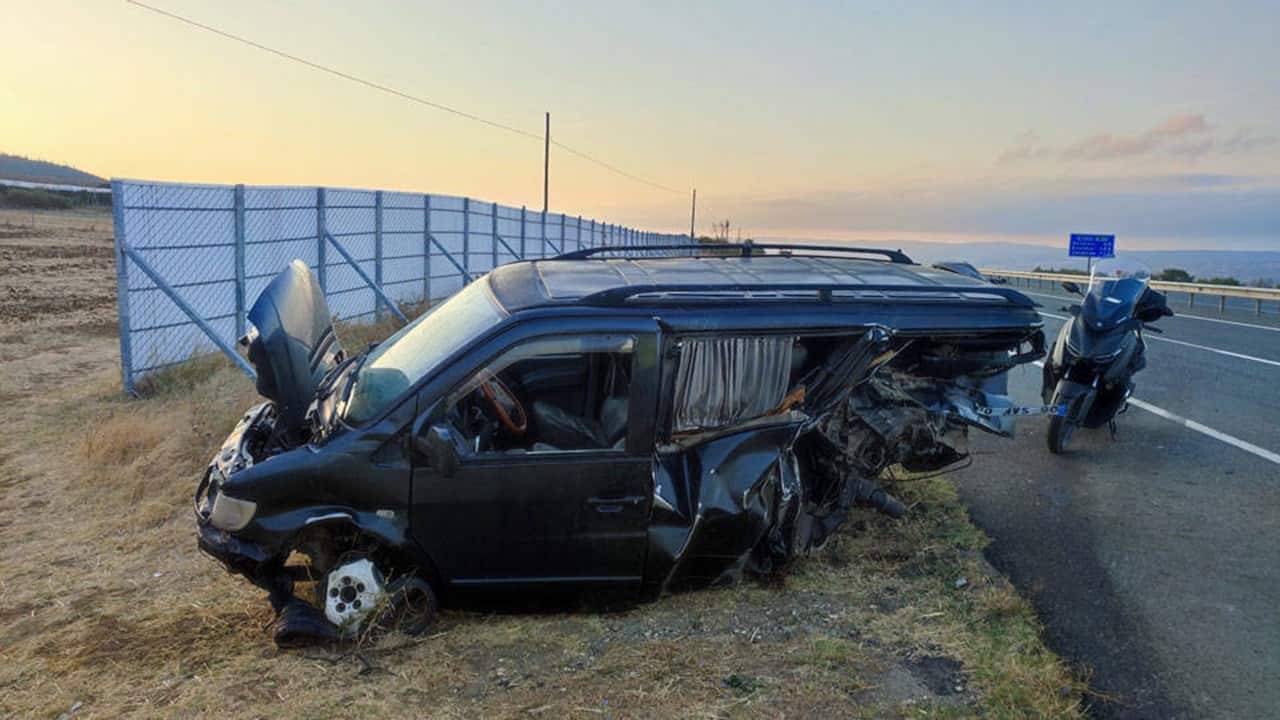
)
(1258, 294)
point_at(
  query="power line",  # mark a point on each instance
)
(614, 168)
(398, 93)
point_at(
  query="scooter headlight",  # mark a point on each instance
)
(1107, 357)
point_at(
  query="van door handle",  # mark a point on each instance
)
(614, 504)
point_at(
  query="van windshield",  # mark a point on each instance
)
(418, 348)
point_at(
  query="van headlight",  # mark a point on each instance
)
(231, 514)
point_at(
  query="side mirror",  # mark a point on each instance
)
(435, 443)
(1150, 314)
(1072, 287)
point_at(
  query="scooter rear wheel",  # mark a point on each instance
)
(1060, 431)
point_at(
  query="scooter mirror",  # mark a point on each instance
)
(1072, 287)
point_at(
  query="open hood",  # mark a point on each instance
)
(294, 345)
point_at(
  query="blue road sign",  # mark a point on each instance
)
(1092, 246)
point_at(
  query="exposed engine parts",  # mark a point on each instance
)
(882, 425)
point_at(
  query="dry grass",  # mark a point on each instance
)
(106, 603)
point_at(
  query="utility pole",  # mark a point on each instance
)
(693, 214)
(546, 163)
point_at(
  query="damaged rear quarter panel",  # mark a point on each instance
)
(715, 505)
(744, 502)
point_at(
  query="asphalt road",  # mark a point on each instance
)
(1154, 558)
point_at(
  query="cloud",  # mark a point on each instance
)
(1107, 146)
(1178, 126)
(1022, 154)
(1027, 147)
(1181, 205)
(1246, 140)
(1186, 136)
(1194, 148)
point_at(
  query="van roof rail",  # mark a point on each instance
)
(745, 250)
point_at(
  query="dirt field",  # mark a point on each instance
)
(57, 297)
(107, 609)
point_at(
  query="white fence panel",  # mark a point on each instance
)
(191, 259)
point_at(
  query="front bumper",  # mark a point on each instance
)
(239, 557)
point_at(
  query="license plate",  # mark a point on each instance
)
(1023, 410)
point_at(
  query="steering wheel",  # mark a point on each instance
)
(510, 412)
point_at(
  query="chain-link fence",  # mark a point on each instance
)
(191, 259)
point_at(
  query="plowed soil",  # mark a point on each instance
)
(57, 298)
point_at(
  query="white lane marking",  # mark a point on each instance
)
(1228, 353)
(1190, 424)
(1180, 313)
(1206, 430)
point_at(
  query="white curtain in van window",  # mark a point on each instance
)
(722, 381)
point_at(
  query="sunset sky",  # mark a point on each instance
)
(1156, 121)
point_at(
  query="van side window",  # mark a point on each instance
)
(548, 395)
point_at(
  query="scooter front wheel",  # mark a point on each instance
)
(1060, 431)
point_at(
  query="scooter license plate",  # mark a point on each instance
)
(1024, 410)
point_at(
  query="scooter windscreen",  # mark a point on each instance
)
(1115, 287)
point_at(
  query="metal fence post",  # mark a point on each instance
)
(494, 239)
(466, 239)
(122, 285)
(426, 249)
(377, 253)
(523, 252)
(543, 232)
(321, 263)
(562, 222)
(579, 232)
(592, 239)
(238, 195)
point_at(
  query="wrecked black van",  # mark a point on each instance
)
(628, 420)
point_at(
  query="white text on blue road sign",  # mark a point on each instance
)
(1083, 245)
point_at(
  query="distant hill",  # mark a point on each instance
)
(16, 167)
(1249, 266)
